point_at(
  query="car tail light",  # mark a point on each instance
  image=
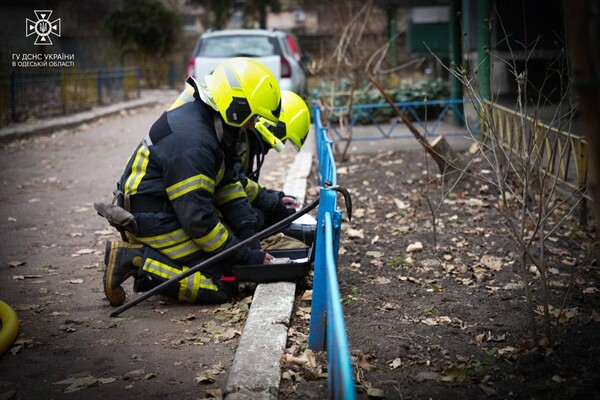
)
(191, 67)
(286, 69)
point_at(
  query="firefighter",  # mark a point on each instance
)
(181, 186)
(293, 126)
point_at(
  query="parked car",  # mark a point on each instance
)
(271, 47)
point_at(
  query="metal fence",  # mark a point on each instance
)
(26, 95)
(327, 326)
(551, 148)
(373, 115)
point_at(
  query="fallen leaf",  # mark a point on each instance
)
(77, 383)
(216, 394)
(383, 280)
(355, 233)
(414, 247)
(374, 253)
(492, 262)
(395, 363)
(134, 375)
(513, 286)
(427, 376)
(455, 373)
(22, 277)
(376, 393)
(16, 263)
(400, 204)
(85, 251)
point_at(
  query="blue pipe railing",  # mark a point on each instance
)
(364, 114)
(327, 326)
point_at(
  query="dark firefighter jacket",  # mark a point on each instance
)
(201, 203)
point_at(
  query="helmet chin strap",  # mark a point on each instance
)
(267, 135)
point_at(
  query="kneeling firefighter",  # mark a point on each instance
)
(185, 195)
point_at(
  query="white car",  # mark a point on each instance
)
(271, 47)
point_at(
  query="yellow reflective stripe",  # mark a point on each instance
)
(181, 250)
(138, 170)
(192, 183)
(252, 188)
(188, 287)
(229, 192)
(165, 240)
(214, 239)
(160, 269)
(221, 172)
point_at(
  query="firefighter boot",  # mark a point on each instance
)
(122, 261)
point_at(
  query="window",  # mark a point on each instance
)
(237, 46)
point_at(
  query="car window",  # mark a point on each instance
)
(238, 46)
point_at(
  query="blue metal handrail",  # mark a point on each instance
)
(327, 318)
(386, 131)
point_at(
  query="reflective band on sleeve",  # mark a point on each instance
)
(192, 183)
(229, 192)
(138, 170)
(214, 239)
(220, 173)
(252, 188)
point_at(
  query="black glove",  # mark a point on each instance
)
(256, 257)
(279, 212)
(245, 233)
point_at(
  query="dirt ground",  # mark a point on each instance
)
(445, 317)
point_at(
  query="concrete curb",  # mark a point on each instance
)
(47, 126)
(256, 370)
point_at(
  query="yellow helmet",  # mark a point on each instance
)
(242, 88)
(294, 121)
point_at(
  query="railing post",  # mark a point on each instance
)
(318, 315)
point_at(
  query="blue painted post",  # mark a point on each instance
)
(337, 230)
(339, 375)
(318, 317)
